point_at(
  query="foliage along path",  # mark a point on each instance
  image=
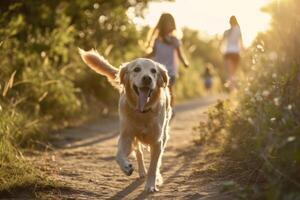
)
(83, 162)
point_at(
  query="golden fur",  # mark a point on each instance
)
(139, 123)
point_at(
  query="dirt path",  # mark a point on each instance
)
(84, 162)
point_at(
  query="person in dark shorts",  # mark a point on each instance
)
(233, 57)
(232, 39)
(207, 77)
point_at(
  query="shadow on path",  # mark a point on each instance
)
(93, 141)
(188, 155)
(197, 103)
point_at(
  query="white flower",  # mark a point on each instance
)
(289, 107)
(291, 138)
(81, 34)
(265, 93)
(272, 119)
(96, 5)
(43, 54)
(274, 75)
(276, 101)
(250, 120)
(227, 84)
(102, 19)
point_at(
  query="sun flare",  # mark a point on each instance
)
(211, 17)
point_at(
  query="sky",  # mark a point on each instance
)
(211, 16)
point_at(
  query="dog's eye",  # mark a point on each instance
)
(153, 71)
(137, 69)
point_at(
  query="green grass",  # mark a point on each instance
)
(16, 130)
(15, 171)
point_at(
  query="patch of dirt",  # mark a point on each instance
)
(83, 162)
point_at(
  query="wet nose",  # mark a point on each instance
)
(146, 80)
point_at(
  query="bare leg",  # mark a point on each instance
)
(124, 149)
(156, 153)
(230, 73)
(140, 161)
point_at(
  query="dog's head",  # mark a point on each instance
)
(143, 77)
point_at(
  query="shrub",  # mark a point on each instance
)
(260, 124)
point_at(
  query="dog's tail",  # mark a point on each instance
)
(99, 64)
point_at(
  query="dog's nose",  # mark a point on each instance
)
(146, 80)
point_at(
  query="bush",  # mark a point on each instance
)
(260, 124)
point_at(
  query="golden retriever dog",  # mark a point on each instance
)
(144, 110)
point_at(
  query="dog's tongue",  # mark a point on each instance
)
(143, 99)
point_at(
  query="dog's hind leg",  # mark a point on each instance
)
(140, 161)
(124, 149)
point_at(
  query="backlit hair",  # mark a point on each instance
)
(233, 21)
(166, 25)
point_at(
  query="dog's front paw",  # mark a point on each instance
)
(128, 169)
(151, 188)
(159, 180)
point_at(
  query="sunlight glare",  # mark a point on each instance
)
(211, 17)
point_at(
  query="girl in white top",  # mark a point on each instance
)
(232, 39)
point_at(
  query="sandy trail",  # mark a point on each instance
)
(83, 162)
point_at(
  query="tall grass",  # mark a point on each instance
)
(16, 129)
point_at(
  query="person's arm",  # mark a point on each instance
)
(182, 57)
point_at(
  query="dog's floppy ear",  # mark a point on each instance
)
(163, 78)
(123, 74)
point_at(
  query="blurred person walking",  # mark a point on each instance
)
(166, 48)
(232, 39)
(208, 77)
